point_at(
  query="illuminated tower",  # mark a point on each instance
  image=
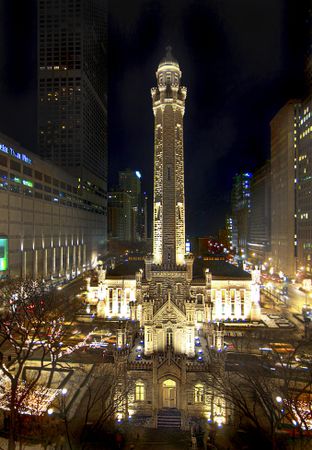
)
(168, 215)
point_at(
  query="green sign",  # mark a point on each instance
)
(28, 183)
(4, 253)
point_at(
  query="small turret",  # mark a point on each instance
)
(189, 261)
(148, 267)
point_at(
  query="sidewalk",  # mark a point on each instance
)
(158, 439)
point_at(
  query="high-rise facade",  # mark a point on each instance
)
(240, 200)
(130, 182)
(304, 189)
(259, 233)
(304, 167)
(72, 105)
(119, 215)
(284, 147)
(168, 215)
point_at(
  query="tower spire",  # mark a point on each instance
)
(168, 52)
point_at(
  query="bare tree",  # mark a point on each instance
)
(32, 325)
(265, 393)
(106, 394)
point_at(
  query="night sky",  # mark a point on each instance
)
(241, 60)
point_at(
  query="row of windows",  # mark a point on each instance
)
(26, 170)
(140, 392)
(228, 294)
(24, 186)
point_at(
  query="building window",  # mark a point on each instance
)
(38, 175)
(27, 171)
(199, 393)
(119, 300)
(139, 391)
(199, 316)
(169, 337)
(15, 166)
(110, 299)
(3, 161)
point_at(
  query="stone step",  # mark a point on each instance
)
(169, 412)
(166, 421)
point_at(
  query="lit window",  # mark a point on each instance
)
(199, 393)
(139, 391)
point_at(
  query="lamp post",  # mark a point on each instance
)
(281, 412)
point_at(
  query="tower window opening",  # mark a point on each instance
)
(168, 173)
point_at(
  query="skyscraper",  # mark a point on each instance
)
(304, 189)
(168, 216)
(284, 141)
(259, 233)
(119, 215)
(240, 199)
(72, 113)
(304, 168)
(130, 182)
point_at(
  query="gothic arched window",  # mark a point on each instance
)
(169, 337)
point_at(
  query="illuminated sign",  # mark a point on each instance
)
(4, 250)
(187, 246)
(12, 152)
(28, 183)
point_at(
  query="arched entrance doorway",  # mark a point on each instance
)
(169, 394)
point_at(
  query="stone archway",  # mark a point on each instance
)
(169, 391)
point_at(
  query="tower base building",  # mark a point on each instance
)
(180, 312)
